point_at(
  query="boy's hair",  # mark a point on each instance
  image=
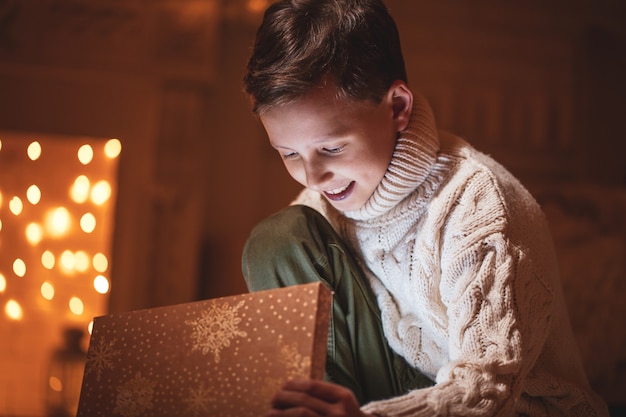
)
(302, 44)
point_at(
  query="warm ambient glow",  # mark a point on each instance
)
(3, 283)
(256, 6)
(55, 384)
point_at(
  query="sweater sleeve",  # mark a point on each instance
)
(498, 318)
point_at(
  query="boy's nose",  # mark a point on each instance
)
(317, 175)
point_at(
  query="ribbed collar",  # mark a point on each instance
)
(414, 156)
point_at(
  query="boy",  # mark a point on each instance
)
(446, 294)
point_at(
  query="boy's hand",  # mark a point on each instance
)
(311, 398)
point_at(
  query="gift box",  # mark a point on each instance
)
(218, 357)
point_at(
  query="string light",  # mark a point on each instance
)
(16, 206)
(34, 151)
(33, 194)
(56, 199)
(85, 154)
(13, 310)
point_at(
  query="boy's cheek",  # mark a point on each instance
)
(296, 173)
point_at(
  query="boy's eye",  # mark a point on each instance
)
(290, 155)
(333, 150)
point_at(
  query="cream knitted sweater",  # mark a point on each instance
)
(461, 261)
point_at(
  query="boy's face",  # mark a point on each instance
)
(339, 148)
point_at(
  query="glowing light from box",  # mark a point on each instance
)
(3, 283)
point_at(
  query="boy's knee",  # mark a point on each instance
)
(278, 239)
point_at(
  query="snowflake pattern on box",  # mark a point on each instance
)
(224, 357)
(101, 357)
(134, 397)
(216, 327)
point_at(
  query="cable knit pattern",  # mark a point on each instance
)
(460, 259)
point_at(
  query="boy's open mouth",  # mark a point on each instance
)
(339, 193)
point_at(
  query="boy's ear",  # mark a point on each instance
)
(402, 103)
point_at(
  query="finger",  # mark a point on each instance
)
(325, 391)
(290, 399)
(293, 412)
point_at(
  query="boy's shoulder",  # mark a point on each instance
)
(471, 162)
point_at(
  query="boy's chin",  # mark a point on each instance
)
(345, 205)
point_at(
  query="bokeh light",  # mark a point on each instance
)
(80, 189)
(113, 148)
(47, 290)
(101, 284)
(85, 154)
(13, 310)
(34, 151)
(33, 194)
(58, 222)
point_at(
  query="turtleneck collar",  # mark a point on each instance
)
(413, 158)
